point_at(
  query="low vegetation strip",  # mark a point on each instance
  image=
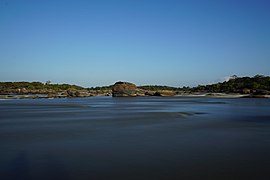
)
(253, 86)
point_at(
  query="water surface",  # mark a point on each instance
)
(135, 138)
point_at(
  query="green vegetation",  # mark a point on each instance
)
(103, 88)
(258, 84)
(157, 88)
(36, 86)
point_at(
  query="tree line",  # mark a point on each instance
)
(37, 86)
(256, 84)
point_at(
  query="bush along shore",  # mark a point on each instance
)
(249, 87)
(32, 90)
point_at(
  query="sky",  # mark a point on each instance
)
(158, 42)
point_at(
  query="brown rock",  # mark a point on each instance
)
(246, 91)
(150, 93)
(165, 93)
(124, 89)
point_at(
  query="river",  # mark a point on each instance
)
(135, 138)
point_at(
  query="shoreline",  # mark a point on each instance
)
(184, 95)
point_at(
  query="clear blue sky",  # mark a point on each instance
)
(165, 42)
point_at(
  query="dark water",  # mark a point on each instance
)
(135, 138)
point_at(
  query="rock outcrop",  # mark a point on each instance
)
(165, 93)
(124, 89)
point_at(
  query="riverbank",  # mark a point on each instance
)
(222, 95)
(55, 94)
(187, 95)
(234, 88)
